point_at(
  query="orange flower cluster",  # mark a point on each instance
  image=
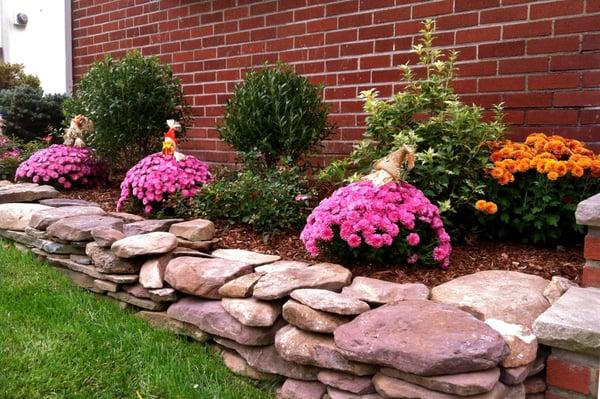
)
(486, 206)
(554, 156)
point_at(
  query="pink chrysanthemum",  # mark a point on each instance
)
(157, 176)
(372, 217)
(63, 165)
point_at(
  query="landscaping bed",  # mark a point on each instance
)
(466, 259)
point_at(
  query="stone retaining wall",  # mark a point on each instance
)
(323, 333)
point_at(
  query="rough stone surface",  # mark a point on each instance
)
(127, 217)
(42, 219)
(26, 192)
(163, 321)
(149, 226)
(81, 259)
(281, 265)
(295, 389)
(105, 237)
(334, 393)
(61, 202)
(267, 360)
(346, 382)
(250, 257)
(509, 296)
(535, 384)
(30, 231)
(139, 302)
(194, 230)
(588, 211)
(203, 277)
(182, 251)
(241, 287)
(421, 337)
(92, 271)
(204, 246)
(329, 301)
(522, 343)
(252, 312)
(17, 216)
(47, 246)
(211, 317)
(380, 292)
(577, 331)
(557, 287)
(163, 295)
(238, 365)
(82, 280)
(464, 384)
(394, 388)
(515, 375)
(309, 319)
(107, 262)
(279, 284)
(79, 228)
(152, 273)
(106, 285)
(145, 244)
(137, 290)
(318, 350)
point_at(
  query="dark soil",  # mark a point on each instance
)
(466, 259)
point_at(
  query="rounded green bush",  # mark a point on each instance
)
(129, 100)
(275, 114)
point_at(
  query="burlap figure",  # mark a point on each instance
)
(389, 168)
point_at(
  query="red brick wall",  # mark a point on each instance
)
(541, 58)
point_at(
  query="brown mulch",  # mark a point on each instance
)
(466, 259)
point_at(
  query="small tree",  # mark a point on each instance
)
(129, 101)
(275, 114)
(13, 75)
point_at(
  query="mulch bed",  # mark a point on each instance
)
(466, 259)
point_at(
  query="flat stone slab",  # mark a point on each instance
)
(203, 277)
(241, 287)
(294, 389)
(127, 217)
(93, 271)
(509, 296)
(17, 216)
(50, 247)
(149, 226)
(162, 321)
(329, 301)
(156, 243)
(238, 365)
(390, 387)
(105, 237)
(194, 230)
(281, 265)
(79, 228)
(318, 350)
(211, 317)
(251, 311)
(163, 295)
(464, 384)
(346, 382)
(250, 257)
(380, 292)
(107, 262)
(588, 211)
(135, 301)
(333, 393)
(308, 319)
(573, 322)
(279, 284)
(421, 337)
(267, 360)
(44, 218)
(26, 192)
(152, 273)
(60, 202)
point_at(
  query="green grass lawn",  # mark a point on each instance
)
(59, 341)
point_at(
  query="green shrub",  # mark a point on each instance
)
(448, 136)
(268, 200)
(13, 75)
(29, 114)
(129, 100)
(275, 114)
(13, 152)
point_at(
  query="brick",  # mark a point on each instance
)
(345, 64)
(528, 100)
(432, 8)
(575, 61)
(501, 84)
(553, 45)
(480, 68)
(355, 20)
(591, 278)
(478, 35)
(309, 13)
(589, 23)
(377, 61)
(353, 78)
(591, 79)
(466, 5)
(591, 42)
(356, 48)
(263, 7)
(528, 29)
(556, 9)
(525, 65)
(576, 98)
(341, 7)
(392, 15)
(552, 117)
(373, 4)
(553, 81)
(504, 49)
(591, 247)
(566, 375)
(341, 36)
(589, 116)
(375, 32)
(504, 14)
(322, 25)
(457, 21)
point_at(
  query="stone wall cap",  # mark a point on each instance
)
(573, 322)
(588, 211)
